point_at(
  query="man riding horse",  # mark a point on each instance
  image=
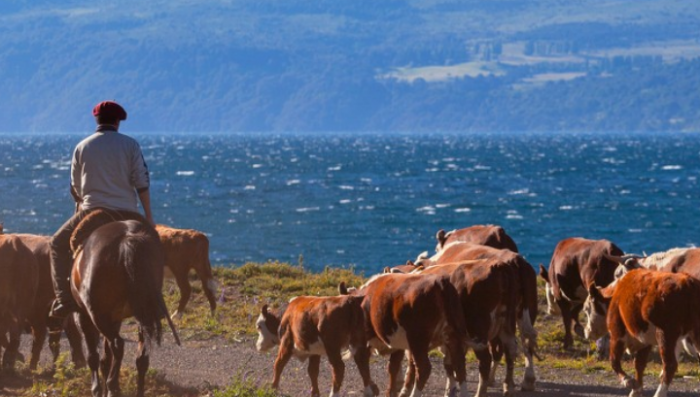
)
(108, 172)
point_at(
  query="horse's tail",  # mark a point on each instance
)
(140, 252)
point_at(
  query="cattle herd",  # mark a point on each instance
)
(475, 293)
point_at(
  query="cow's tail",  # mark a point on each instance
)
(528, 281)
(203, 269)
(454, 313)
(139, 252)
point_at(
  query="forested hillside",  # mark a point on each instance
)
(352, 65)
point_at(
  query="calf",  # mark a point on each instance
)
(187, 249)
(312, 327)
(19, 278)
(577, 263)
(489, 235)
(646, 308)
(416, 313)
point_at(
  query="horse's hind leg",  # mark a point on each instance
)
(116, 344)
(142, 362)
(106, 361)
(92, 339)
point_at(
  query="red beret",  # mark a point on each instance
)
(109, 109)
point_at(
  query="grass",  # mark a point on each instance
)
(243, 291)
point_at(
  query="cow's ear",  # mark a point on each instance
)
(410, 263)
(387, 269)
(264, 310)
(440, 236)
(544, 273)
(631, 263)
(342, 288)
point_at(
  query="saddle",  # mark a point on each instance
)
(96, 218)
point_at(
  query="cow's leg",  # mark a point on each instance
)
(640, 363)
(183, 283)
(496, 354)
(455, 352)
(617, 348)
(575, 311)
(393, 368)
(409, 379)
(423, 369)
(565, 308)
(451, 383)
(361, 358)
(667, 341)
(12, 348)
(338, 370)
(529, 378)
(483, 355)
(312, 370)
(510, 349)
(39, 331)
(92, 338)
(283, 355)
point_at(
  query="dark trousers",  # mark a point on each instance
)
(61, 254)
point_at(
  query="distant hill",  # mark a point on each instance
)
(351, 65)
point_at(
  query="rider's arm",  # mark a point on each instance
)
(145, 197)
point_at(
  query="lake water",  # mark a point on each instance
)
(372, 200)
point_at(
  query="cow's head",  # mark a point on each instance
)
(625, 263)
(596, 309)
(441, 237)
(268, 325)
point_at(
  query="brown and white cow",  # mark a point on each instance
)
(577, 263)
(489, 292)
(187, 249)
(526, 304)
(646, 308)
(416, 313)
(19, 279)
(489, 235)
(38, 316)
(312, 327)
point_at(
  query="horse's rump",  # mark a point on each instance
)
(119, 274)
(96, 218)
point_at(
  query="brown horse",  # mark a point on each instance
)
(118, 274)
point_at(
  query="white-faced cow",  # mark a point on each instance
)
(577, 263)
(312, 327)
(646, 308)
